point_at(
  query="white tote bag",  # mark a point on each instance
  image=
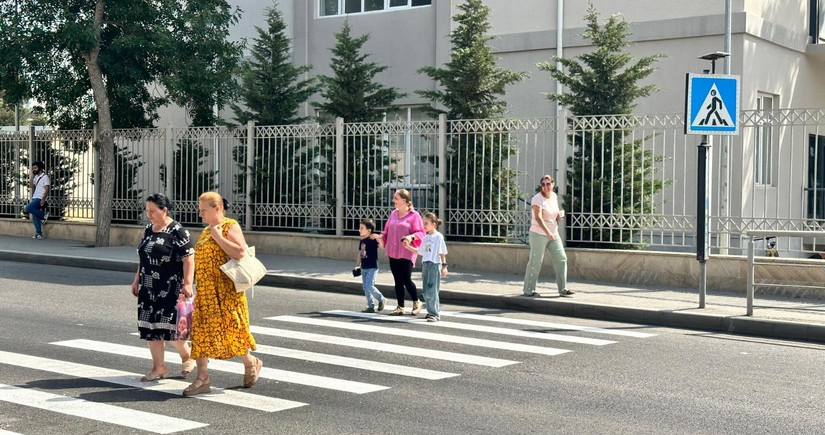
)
(245, 272)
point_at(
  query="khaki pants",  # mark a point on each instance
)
(539, 243)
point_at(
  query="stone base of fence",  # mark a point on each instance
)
(655, 269)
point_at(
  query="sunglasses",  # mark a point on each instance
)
(547, 183)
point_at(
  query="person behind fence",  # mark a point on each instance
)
(164, 276)
(433, 252)
(220, 322)
(40, 183)
(544, 236)
(367, 264)
(404, 224)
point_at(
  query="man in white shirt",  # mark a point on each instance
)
(40, 184)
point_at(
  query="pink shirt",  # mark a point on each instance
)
(548, 212)
(396, 228)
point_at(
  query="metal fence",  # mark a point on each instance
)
(630, 180)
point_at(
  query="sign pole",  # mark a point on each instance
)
(711, 107)
(703, 216)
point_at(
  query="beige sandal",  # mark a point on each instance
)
(249, 378)
(187, 367)
(153, 376)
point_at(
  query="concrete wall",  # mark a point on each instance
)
(658, 269)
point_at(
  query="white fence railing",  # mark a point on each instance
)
(629, 181)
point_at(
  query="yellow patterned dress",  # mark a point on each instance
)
(220, 323)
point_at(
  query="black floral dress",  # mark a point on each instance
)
(161, 277)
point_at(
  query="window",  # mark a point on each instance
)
(764, 140)
(328, 7)
(338, 7)
(816, 21)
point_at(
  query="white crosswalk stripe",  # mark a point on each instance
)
(339, 320)
(231, 367)
(384, 347)
(96, 411)
(473, 327)
(362, 364)
(548, 325)
(479, 342)
(169, 386)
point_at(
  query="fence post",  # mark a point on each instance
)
(339, 176)
(250, 162)
(18, 194)
(441, 170)
(751, 277)
(32, 157)
(168, 159)
(96, 169)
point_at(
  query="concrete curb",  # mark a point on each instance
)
(565, 307)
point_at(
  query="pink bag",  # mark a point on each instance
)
(184, 325)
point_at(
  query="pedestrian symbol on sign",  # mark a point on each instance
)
(713, 111)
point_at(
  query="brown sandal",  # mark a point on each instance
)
(249, 378)
(198, 387)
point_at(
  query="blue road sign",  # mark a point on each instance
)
(712, 104)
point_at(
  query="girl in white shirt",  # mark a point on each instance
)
(433, 253)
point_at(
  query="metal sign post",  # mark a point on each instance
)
(711, 107)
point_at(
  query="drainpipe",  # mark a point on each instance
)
(561, 140)
(724, 151)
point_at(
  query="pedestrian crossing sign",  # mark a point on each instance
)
(712, 104)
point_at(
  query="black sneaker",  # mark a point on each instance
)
(381, 304)
(368, 310)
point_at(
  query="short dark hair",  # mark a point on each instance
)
(368, 224)
(160, 200)
(39, 164)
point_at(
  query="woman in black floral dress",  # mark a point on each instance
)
(165, 274)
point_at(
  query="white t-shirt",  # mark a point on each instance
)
(40, 182)
(548, 212)
(432, 245)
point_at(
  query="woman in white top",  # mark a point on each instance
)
(544, 236)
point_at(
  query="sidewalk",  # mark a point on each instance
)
(779, 317)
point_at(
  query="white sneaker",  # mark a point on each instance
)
(37, 237)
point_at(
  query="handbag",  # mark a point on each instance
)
(246, 271)
(183, 326)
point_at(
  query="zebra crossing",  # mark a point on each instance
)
(275, 334)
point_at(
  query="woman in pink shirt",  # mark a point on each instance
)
(403, 226)
(544, 237)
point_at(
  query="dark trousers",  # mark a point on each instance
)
(402, 275)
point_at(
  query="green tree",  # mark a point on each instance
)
(272, 92)
(472, 86)
(352, 93)
(188, 179)
(97, 61)
(605, 174)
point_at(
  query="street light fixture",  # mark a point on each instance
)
(713, 57)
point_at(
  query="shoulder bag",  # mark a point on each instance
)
(245, 272)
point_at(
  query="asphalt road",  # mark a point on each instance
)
(67, 347)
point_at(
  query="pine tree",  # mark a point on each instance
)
(353, 94)
(605, 175)
(272, 92)
(472, 86)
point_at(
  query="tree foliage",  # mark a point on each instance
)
(607, 176)
(472, 86)
(272, 91)
(352, 93)
(100, 61)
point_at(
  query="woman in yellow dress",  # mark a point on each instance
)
(220, 323)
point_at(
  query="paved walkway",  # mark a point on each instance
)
(773, 316)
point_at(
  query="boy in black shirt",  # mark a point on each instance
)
(367, 263)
